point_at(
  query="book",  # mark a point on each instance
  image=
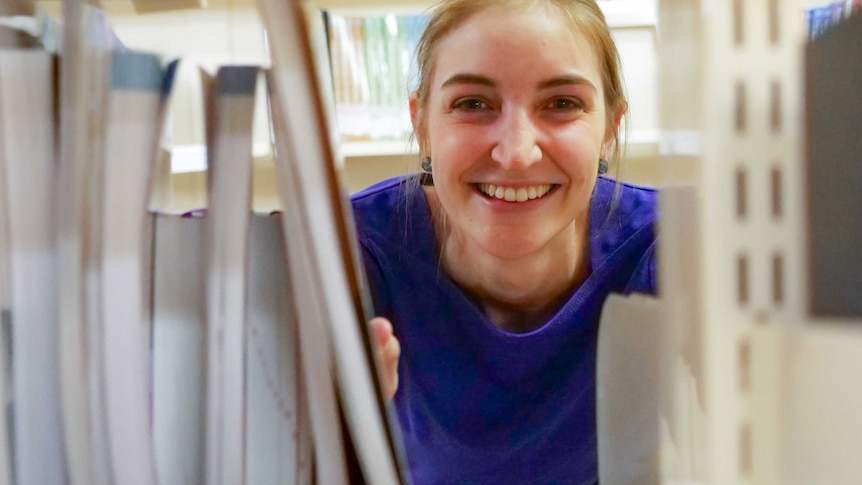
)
(230, 98)
(323, 260)
(315, 344)
(28, 154)
(84, 82)
(629, 374)
(278, 445)
(140, 85)
(5, 319)
(372, 73)
(178, 310)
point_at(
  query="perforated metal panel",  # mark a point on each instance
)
(745, 79)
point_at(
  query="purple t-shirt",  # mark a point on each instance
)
(476, 404)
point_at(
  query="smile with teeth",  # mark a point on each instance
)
(512, 194)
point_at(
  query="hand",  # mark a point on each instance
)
(388, 351)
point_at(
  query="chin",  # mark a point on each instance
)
(514, 246)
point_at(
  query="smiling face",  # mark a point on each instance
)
(515, 122)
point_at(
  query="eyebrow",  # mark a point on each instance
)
(566, 80)
(468, 79)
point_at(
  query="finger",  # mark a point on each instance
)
(391, 352)
(391, 386)
(382, 329)
(388, 352)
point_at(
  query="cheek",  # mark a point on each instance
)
(579, 150)
(454, 149)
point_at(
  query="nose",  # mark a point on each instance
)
(516, 147)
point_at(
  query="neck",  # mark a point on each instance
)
(518, 295)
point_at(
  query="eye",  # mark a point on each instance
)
(470, 104)
(565, 104)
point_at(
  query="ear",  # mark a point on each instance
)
(414, 101)
(618, 118)
(613, 127)
(416, 120)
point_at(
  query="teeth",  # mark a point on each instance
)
(511, 194)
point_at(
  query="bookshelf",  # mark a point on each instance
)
(229, 32)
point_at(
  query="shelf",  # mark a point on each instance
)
(378, 148)
(17, 7)
(642, 144)
(193, 158)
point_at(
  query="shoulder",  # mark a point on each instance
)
(621, 200)
(392, 220)
(623, 237)
(394, 233)
(378, 196)
(619, 209)
(381, 208)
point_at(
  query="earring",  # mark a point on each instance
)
(426, 164)
(603, 166)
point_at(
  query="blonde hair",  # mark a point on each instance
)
(584, 16)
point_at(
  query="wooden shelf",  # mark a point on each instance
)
(17, 7)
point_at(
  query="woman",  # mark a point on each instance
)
(493, 272)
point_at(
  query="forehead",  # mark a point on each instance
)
(527, 42)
